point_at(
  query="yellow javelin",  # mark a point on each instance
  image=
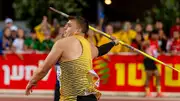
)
(121, 42)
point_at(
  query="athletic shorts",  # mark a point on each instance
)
(149, 64)
(91, 97)
(57, 92)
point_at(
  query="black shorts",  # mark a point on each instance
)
(149, 64)
(91, 97)
(57, 92)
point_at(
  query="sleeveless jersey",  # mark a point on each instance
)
(76, 79)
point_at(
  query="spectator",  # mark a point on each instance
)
(18, 44)
(7, 39)
(95, 37)
(55, 23)
(32, 43)
(137, 42)
(8, 22)
(162, 40)
(151, 48)
(139, 29)
(59, 33)
(176, 27)
(159, 25)
(92, 37)
(148, 30)
(1, 48)
(109, 29)
(174, 46)
(56, 27)
(47, 43)
(126, 35)
(14, 30)
(99, 27)
(43, 29)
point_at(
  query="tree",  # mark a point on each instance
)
(166, 12)
(34, 10)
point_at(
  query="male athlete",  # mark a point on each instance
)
(75, 55)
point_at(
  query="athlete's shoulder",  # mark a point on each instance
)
(65, 41)
(70, 38)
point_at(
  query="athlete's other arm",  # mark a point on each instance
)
(54, 55)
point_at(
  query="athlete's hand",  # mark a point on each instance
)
(29, 87)
(115, 40)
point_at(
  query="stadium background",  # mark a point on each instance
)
(121, 71)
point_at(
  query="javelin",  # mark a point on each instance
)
(121, 42)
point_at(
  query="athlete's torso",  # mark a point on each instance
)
(75, 78)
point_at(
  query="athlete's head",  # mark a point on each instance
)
(75, 25)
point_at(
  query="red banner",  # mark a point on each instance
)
(126, 73)
(117, 72)
(15, 73)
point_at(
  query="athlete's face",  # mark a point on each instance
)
(71, 27)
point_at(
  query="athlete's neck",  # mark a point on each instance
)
(80, 34)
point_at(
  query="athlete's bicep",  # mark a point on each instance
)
(52, 57)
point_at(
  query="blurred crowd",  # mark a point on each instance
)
(141, 36)
(43, 36)
(14, 39)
